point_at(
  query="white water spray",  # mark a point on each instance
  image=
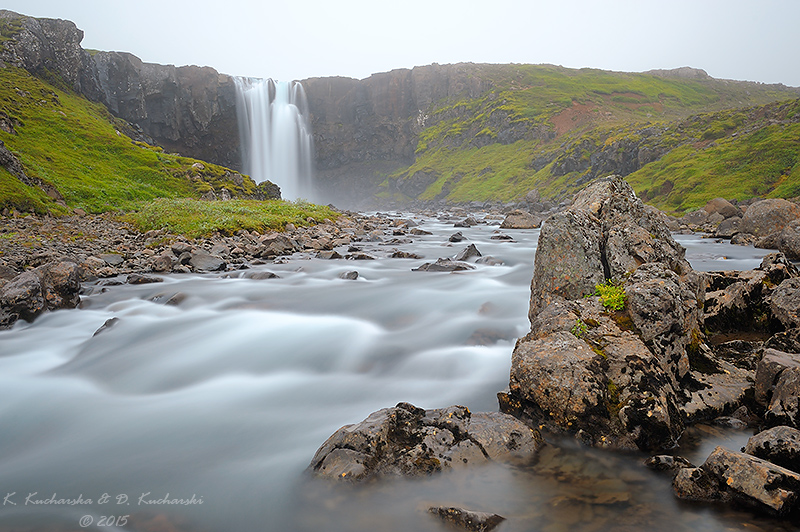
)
(275, 134)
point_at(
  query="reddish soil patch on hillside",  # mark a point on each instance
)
(574, 117)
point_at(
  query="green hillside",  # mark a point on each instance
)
(682, 141)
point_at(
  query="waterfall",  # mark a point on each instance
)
(275, 134)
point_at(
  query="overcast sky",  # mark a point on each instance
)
(754, 40)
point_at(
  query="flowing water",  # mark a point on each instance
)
(224, 398)
(275, 134)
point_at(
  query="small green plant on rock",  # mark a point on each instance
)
(579, 329)
(612, 295)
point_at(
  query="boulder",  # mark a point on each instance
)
(579, 373)
(136, 278)
(769, 216)
(728, 227)
(457, 237)
(695, 484)
(779, 445)
(666, 462)
(444, 265)
(723, 207)
(772, 364)
(790, 241)
(787, 341)
(520, 219)
(784, 302)
(202, 261)
(754, 481)
(468, 253)
(698, 217)
(409, 441)
(51, 286)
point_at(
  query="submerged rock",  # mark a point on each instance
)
(467, 519)
(409, 441)
(444, 265)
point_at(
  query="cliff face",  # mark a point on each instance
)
(190, 110)
(367, 129)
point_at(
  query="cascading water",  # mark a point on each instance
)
(275, 134)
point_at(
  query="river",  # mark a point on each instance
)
(221, 400)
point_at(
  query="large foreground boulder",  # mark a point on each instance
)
(769, 216)
(607, 372)
(409, 441)
(52, 286)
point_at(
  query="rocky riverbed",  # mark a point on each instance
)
(269, 355)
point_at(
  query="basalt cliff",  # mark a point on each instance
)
(458, 133)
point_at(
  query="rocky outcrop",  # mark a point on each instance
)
(48, 287)
(607, 372)
(779, 445)
(409, 441)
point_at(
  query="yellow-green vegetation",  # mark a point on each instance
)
(77, 146)
(197, 218)
(543, 127)
(612, 295)
(580, 328)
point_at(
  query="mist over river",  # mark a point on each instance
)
(203, 415)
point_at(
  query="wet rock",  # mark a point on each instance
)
(359, 256)
(784, 303)
(468, 253)
(666, 462)
(350, 276)
(491, 261)
(137, 278)
(501, 236)
(162, 263)
(275, 245)
(579, 373)
(716, 390)
(520, 219)
(419, 232)
(779, 445)
(261, 275)
(400, 254)
(457, 237)
(409, 441)
(743, 239)
(728, 228)
(754, 481)
(328, 255)
(466, 222)
(467, 519)
(107, 325)
(49, 287)
(695, 484)
(444, 265)
(202, 261)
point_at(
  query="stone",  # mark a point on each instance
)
(137, 278)
(112, 259)
(666, 462)
(501, 236)
(743, 239)
(790, 241)
(328, 255)
(52, 286)
(162, 263)
(261, 275)
(409, 441)
(179, 248)
(520, 219)
(786, 341)
(769, 216)
(469, 221)
(419, 232)
(468, 253)
(784, 302)
(695, 484)
(779, 445)
(718, 390)
(698, 217)
(106, 325)
(457, 237)
(728, 228)
(467, 519)
(754, 481)
(350, 276)
(723, 207)
(203, 261)
(400, 254)
(275, 245)
(769, 369)
(444, 265)
(491, 261)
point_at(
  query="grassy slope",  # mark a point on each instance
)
(76, 145)
(602, 107)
